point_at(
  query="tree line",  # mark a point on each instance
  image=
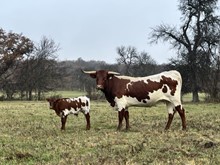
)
(28, 70)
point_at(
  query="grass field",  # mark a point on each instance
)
(66, 93)
(30, 134)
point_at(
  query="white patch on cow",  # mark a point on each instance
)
(68, 100)
(67, 112)
(120, 103)
(85, 109)
(124, 102)
(170, 108)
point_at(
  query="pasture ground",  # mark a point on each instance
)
(30, 134)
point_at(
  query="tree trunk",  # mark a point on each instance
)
(195, 91)
(195, 96)
(30, 95)
(39, 95)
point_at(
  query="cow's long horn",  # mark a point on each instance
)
(115, 73)
(89, 72)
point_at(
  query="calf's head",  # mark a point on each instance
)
(51, 102)
(101, 76)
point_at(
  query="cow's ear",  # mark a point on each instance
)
(48, 99)
(93, 75)
(111, 74)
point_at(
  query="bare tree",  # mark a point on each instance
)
(38, 72)
(135, 63)
(127, 56)
(211, 82)
(199, 32)
(145, 65)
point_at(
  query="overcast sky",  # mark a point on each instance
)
(92, 29)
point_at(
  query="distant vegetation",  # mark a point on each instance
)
(28, 70)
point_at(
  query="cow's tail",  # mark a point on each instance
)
(179, 78)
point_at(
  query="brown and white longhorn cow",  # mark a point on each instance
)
(65, 106)
(123, 91)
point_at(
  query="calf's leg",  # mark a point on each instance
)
(63, 122)
(87, 116)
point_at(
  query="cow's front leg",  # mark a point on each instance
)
(126, 115)
(63, 122)
(87, 116)
(121, 115)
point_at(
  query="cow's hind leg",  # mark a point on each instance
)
(170, 119)
(171, 113)
(181, 112)
(121, 115)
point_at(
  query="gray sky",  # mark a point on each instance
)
(92, 29)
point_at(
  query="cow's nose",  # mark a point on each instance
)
(99, 87)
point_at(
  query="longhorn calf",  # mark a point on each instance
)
(65, 106)
(123, 91)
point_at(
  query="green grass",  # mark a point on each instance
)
(66, 93)
(188, 97)
(30, 134)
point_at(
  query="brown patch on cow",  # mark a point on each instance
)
(87, 103)
(172, 84)
(114, 87)
(140, 89)
(164, 89)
